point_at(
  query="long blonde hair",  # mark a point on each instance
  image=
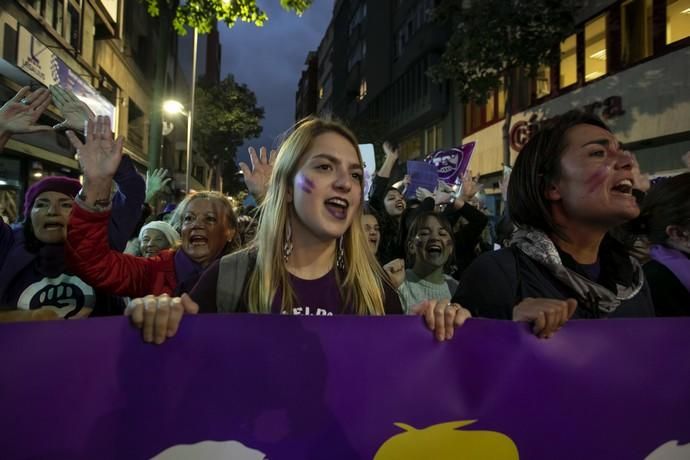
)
(364, 278)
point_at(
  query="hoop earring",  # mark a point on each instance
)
(287, 246)
(340, 260)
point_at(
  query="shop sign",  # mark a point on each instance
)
(40, 62)
(522, 131)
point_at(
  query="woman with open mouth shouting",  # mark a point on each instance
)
(310, 254)
(430, 247)
(571, 185)
(206, 219)
(390, 203)
(35, 282)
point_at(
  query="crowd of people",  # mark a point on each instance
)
(585, 235)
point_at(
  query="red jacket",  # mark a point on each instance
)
(90, 257)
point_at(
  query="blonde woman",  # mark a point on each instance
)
(207, 224)
(310, 255)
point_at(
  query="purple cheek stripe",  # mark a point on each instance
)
(598, 178)
(305, 183)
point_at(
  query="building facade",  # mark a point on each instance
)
(629, 63)
(308, 87)
(373, 61)
(102, 50)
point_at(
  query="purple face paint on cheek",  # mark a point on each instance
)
(598, 178)
(305, 183)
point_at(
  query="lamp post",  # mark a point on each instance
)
(175, 107)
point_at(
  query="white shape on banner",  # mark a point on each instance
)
(211, 450)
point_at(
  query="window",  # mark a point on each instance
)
(135, 125)
(58, 15)
(87, 42)
(433, 139)
(321, 92)
(677, 20)
(636, 30)
(358, 17)
(595, 48)
(502, 100)
(37, 5)
(410, 148)
(543, 81)
(72, 27)
(355, 56)
(362, 89)
(490, 108)
(568, 70)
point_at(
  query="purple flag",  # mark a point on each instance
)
(280, 387)
(452, 163)
(421, 174)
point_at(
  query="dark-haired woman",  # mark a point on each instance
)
(35, 282)
(666, 218)
(389, 202)
(429, 247)
(572, 183)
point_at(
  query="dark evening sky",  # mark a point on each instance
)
(270, 60)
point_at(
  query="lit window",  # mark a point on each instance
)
(501, 100)
(636, 30)
(362, 89)
(568, 71)
(410, 148)
(543, 81)
(677, 20)
(321, 92)
(490, 107)
(595, 48)
(430, 137)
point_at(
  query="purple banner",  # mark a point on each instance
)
(451, 164)
(421, 175)
(254, 387)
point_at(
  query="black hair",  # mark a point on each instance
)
(666, 203)
(538, 166)
(368, 210)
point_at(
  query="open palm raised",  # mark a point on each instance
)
(100, 155)
(20, 114)
(258, 176)
(75, 112)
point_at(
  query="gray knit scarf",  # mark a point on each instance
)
(539, 247)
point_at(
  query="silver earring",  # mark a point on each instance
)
(340, 261)
(287, 246)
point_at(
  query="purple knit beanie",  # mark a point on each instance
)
(60, 184)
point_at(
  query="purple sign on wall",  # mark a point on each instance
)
(452, 163)
(278, 387)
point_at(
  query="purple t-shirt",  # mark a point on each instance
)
(314, 297)
(318, 297)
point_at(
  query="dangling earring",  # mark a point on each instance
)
(340, 260)
(287, 246)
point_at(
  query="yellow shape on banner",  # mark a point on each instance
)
(445, 442)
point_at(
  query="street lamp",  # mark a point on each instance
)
(176, 107)
(173, 107)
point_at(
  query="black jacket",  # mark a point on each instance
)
(497, 281)
(670, 297)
